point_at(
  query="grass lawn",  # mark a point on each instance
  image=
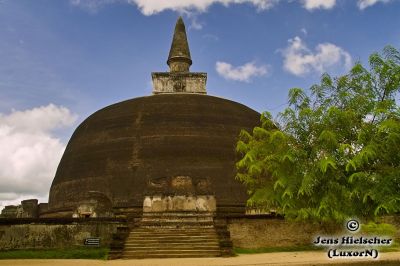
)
(393, 248)
(71, 253)
(274, 249)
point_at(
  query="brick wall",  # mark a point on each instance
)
(53, 235)
(273, 232)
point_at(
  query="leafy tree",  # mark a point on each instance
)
(334, 152)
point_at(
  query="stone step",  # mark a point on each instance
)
(172, 224)
(144, 234)
(180, 231)
(180, 234)
(177, 219)
(160, 238)
(172, 240)
(177, 238)
(174, 229)
(170, 243)
(179, 213)
(188, 235)
(156, 248)
(169, 227)
(171, 246)
(165, 256)
(171, 237)
(194, 253)
(172, 252)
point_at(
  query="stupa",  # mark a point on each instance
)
(177, 141)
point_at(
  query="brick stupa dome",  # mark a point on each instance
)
(122, 147)
(179, 131)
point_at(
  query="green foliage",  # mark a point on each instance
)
(334, 152)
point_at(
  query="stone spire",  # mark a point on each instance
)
(179, 79)
(179, 56)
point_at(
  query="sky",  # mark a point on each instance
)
(62, 60)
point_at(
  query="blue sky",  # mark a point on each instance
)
(62, 60)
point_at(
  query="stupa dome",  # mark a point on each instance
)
(125, 150)
(119, 149)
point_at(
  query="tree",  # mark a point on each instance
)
(334, 152)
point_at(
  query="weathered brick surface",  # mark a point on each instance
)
(188, 82)
(272, 232)
(119, 149)
(42, 235)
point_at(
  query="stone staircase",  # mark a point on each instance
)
(169, 242)
(171, 235)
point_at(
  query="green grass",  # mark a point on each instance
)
(392, 248)
(274, 249)
(71, 253)
(382, 229)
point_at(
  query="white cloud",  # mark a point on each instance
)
(240, 73)
(91, 5)
(362, 4)
(195, 24)
(151, 7)
(299, 60)
(318, 4)
(30, 152)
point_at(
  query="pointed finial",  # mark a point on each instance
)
(179, 56)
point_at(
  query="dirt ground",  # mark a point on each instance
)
(281, 258)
